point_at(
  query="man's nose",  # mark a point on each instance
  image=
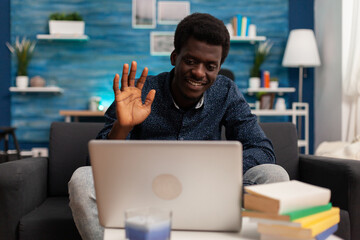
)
(199, 71)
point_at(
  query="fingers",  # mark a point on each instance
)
(128, 79)
(116, 85)
(142, 79)
(124, 77)
(132, 74)
(150, 98)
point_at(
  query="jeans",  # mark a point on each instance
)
(83, 201)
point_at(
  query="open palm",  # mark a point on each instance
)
(130, 109)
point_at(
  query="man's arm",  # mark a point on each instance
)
(242, 125)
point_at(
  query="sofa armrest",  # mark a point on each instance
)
(342, 177)
(23, 186)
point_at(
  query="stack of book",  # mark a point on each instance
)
(291, 210)
(240, 25)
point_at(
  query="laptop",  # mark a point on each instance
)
(199, 181)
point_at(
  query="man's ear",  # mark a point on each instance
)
(173, 58)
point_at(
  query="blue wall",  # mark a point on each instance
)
(297, 10)
(85, 69)
(4, 63)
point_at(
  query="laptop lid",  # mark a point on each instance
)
(199, 181)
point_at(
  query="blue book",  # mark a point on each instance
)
(247, 26)
(325, 234)
(262, 80)
(239, 21)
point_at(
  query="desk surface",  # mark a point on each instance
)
(248, 232)
(81, 113)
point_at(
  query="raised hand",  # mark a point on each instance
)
(130, 110)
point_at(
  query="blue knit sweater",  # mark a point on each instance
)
(223, 105)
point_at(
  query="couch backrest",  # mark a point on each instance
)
(283, 136)
(68, 150)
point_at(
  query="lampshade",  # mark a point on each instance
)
(301, 49)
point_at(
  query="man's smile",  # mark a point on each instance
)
(195, 82)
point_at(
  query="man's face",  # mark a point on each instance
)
(196, 68)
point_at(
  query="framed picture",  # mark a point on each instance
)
(161, 43)
(172, 12)
(267, 101)
(143, 13)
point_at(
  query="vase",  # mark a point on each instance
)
(254, 82)
(22, 81)
(280, 104)
(37, 81)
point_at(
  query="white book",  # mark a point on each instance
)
(285, 197)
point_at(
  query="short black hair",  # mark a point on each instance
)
(202, 27)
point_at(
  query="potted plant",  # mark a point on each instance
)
(274, 83)
(70, 24)
(23, 50)
(261, 53)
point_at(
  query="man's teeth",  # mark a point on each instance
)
(195, 83)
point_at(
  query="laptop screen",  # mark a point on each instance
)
(199, 181)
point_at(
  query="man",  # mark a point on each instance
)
(191, 102)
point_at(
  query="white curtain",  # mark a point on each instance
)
(351, 83)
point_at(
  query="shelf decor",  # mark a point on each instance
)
(49, 89)
(23, 50)
(66, 37)
(66, 24)
(261, 53)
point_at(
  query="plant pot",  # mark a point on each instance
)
(254, 82)
(67, 27)
(22, 81)
(274, 84)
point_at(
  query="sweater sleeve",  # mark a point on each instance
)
(242, 125)
(110, 118)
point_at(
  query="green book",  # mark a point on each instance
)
(289, 216)
(308, 211)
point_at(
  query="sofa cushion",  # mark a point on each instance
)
(284, 139)
(68, 151)
(344, 225)
(51, 220)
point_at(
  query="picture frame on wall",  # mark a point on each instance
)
(172, 12)
(267, 101)
(161, 43)
(143, 13)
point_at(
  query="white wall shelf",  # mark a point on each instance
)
(247, 39)
(280, 91)
(298, 109)
(62, 37)
(50, 89)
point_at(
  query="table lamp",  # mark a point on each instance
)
(301, 51)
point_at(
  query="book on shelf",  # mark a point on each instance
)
(234, 25)
(240, 25)
(248, 22)
(321, 236)
(300, 222)
(306, 232)
(288, 216)
(243, 26)
(284, 197)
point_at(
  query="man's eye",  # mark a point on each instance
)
(189, 61)
(211, 67)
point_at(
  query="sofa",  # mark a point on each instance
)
(34, 197)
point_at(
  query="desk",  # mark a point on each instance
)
(248, 232)
(79, 113)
